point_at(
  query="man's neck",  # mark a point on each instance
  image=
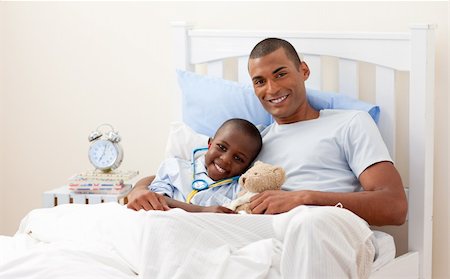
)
(307, 113)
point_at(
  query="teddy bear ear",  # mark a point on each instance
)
(281, 174)
(241, 180)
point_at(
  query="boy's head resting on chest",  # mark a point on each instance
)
(233, 148)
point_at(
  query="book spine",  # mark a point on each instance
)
(101, 191)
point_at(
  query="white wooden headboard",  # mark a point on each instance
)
(411, 52)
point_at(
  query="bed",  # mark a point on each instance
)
(56, 242)
(391, 54)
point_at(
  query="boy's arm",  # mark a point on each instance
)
(196, 208)
(142, 198)
(141, 188)
(145, 197)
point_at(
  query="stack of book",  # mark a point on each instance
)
(97, 182)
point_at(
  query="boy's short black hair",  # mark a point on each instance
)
(247, 128)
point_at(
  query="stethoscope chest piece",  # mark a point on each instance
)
(199, 184)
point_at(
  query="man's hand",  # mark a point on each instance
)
(277, 201)
(149, 201)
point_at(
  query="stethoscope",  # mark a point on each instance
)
(201, 184)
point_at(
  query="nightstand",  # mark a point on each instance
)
(62, 195)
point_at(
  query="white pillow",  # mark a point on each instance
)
(182, 140)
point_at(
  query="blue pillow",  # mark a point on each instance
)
(208, 101)
(327, 100)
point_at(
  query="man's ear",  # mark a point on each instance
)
(304, 69)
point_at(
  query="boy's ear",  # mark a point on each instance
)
(209, 142)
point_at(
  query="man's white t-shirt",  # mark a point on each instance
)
(325, 154)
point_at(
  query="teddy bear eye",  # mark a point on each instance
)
(255, 173)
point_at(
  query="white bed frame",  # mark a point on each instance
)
(411, 52)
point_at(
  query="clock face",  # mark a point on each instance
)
(103, 154)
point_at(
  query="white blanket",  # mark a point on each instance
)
(73, 241)
(111, 241)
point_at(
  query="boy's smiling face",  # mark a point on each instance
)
(230, 153)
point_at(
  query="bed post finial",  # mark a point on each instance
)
(421, 136)
(181, 44)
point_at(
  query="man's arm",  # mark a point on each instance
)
(383, 201)
(142, 198)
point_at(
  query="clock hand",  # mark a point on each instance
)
(103, 154)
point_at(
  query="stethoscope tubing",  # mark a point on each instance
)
(201, 184)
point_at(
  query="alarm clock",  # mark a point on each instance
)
(105, 152)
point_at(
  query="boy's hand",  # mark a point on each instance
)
(217, 209)
(148, 201)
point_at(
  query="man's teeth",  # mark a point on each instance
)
(278, 100)
(219, 168)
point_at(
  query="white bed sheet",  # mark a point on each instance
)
(384, 249)
(111, 241)
(63, 260)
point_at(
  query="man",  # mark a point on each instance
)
(331, 158)
(279, 81)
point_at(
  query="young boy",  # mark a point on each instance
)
(206, 182)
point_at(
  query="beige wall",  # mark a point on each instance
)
(67, 67)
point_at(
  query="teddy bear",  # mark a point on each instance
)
(258, 178)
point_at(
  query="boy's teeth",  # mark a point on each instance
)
(219, 168)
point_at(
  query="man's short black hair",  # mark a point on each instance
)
(245, 127)
(270, 45)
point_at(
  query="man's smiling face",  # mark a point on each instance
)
(280, 85)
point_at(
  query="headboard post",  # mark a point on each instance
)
(181, 49)
(181, 45)
(421, 145)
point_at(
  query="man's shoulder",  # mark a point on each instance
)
(266, 129)
(340, 115)
(336, 118)
(342, 112)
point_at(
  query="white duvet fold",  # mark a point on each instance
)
(208, 245)
(99, 241)
(111, 241)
